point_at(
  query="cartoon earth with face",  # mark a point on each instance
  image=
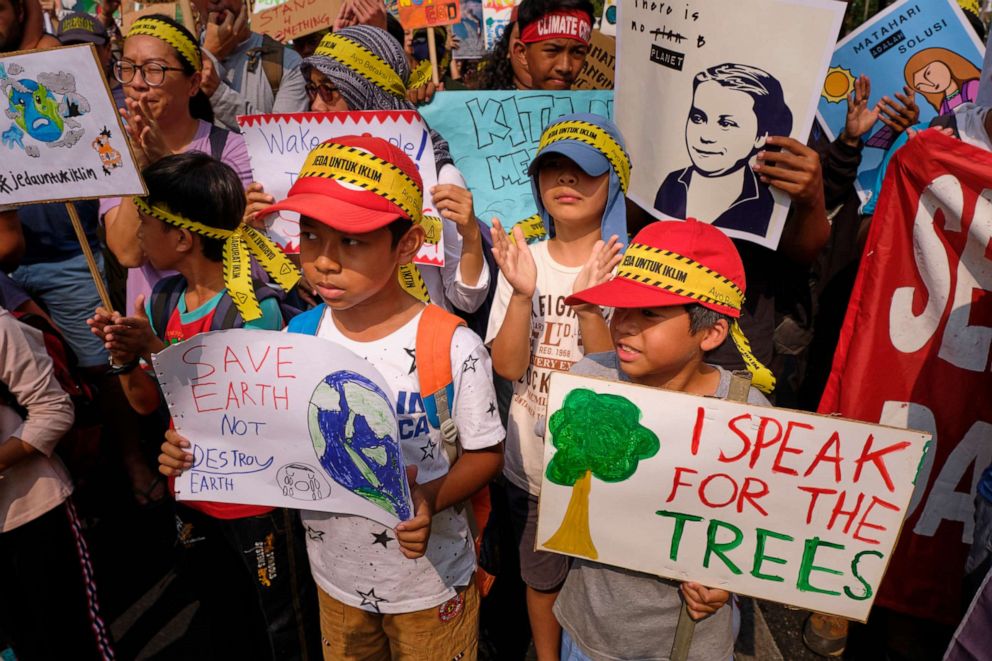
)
(36, 111)
(353, 430)
(43, 108)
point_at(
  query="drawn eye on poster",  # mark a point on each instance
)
(470, 32)
(926, 46)
(60, 130)
(717, 99)
(493, 137)
(496, 14)
(285, 420)
(278, 145)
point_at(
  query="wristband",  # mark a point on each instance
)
(126, 368)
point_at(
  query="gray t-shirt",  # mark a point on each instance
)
(616, 614)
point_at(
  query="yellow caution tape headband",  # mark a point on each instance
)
(593, 136)
(362, 61)
(239, 243)
(151, 26)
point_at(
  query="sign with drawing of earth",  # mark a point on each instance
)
(353, 430)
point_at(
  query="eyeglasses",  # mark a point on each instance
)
(152, 73)
(327, 93)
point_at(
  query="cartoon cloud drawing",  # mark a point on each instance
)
(43, 109)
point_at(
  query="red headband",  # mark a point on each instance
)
(562, 24)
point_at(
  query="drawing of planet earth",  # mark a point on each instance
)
(353, 430)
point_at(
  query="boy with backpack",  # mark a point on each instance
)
(677, 295)
(248, 562)
(579, 178)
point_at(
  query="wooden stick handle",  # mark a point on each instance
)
(432, 49)
(84, 243)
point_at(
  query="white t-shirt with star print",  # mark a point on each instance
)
(358, 561)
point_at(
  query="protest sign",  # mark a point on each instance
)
(773, 503)
(278, 145)
(493, 137)
(608, 24)
(496, 15)
(61, 130)
(295, 18)
(469, 32)
(262, 5)
(914, 351)
(599, 65)
(717, 98)
(286, 420)
(928, 46)
(415, 14)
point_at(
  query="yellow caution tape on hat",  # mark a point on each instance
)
(594, 136)
(432, 229)
(362, 61)
(413, 283)
(360, 168)
(154, 27)
(239, 243)
(683, 276)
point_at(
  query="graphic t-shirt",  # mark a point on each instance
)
(555, 345)
(358, 561)
(183, 325)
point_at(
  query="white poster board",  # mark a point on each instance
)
(286, 420)
(713, 97)
(278, 145)
(777, 504)
(62, 138)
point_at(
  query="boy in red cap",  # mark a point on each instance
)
(677, 295)
(408, 591)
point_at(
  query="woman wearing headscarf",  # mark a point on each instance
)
(364, 68)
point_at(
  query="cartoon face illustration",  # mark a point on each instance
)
(944, 78)
(36, 111)
(934, 77)
(110, 158)
(722, 129)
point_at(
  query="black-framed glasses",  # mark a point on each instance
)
(326, 92)
(152, 73)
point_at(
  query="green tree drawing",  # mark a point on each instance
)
(594, 435)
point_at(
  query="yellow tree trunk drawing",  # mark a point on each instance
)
(573, 536)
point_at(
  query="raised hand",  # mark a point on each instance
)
(795, 170)
(455, 203)
(899, 115)
(221, 38)
(599, 267)
(258, 199)
(860, 118)
(514, 260)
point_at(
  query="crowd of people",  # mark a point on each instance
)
(304, 585)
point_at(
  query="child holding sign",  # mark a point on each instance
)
(660, 339)
(579, 177)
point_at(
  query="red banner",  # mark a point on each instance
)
(914, 352)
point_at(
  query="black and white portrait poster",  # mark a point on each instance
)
(701, 84)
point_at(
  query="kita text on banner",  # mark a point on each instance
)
(772, 503)
(285, 420)
(914, 351)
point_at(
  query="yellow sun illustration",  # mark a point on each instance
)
(838, 84)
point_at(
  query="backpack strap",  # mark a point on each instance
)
(437, 389)
(218, 140)
(306, 322)
(164, 301)
(272, 62)
(227, 316)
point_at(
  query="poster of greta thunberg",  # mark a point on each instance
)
(704, 84)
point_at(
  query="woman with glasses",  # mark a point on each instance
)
(166, 113)
(376, 76)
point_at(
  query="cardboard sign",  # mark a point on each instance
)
(278, 145)
(60, 131)
(286, 420)
(261, 5)
(929, 46)
(776, 504)
(600, 64)
(914, 351)
(493, 137)
(470, 32)
(295, 18)
(496, 15)
(717, 98)
(416, 14)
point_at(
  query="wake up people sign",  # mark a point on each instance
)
(60, 131)
(286, 420)
(925, 45)
(694, 66)
(777, 504)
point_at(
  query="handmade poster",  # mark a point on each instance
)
(278, 145)
(717, 98)
(496, 15)
(286, 420)
(470, 32)
(493, 137)
(608, 24)
(772, 503)
(415, 14)
(60, 130)
(598, 68)
(928, 46)
(914, 351)
(262, 5)
(295, 18)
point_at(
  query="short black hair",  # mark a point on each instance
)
(529, 11)
(397, 230)
(201, 188)
(703, 318)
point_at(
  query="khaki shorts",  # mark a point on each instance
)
(449, 632)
